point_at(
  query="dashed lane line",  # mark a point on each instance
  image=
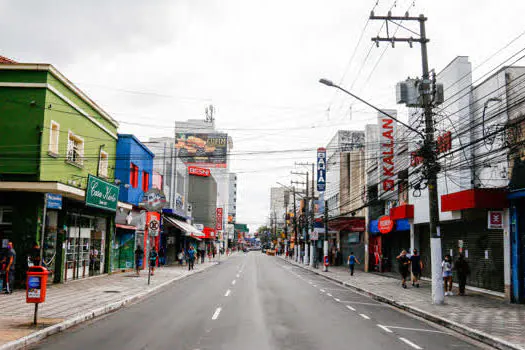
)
(364, 316)
(234, 281)
(216, 313)
(329, 294)
(227, 293)
(350, 308)
(337, 299)
(238, 276)
(416, 329)
(322, 290)
(386, 329)
(408, 342)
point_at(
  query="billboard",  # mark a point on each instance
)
(387, 152)
(206, 150)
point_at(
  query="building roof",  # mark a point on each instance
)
(5, 60)
(130, 136)
(60, 77)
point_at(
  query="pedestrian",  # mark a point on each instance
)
(162, 256)
(352, 260)
(462, 268)
(139, 256)
(417, 266)
(180, 257)
(33, 258)
(404, 264)
(153, 260)
(202, 249)
(446, 267)
(10, 268)
(191, 257)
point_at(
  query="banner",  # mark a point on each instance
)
(321, 169)
(218, 219)
(206, 150)
(387, 152)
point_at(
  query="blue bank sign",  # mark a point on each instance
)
(321, 169)
(54, 201)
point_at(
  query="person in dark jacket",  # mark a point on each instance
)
(463, 270)
(139, 256)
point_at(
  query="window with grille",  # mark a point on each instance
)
(54, 135)
(103, 164)
(75, 149)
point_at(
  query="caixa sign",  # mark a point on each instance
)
(194, 170)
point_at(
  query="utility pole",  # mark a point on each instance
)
(325, 242)
(294, 224)
(311, 216)
(306, 213)
(431, 166)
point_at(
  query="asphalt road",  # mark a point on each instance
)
(257, 302)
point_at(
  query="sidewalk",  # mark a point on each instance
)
(78, 301)
(479, 316)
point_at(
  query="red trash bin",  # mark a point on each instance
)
(36, 284)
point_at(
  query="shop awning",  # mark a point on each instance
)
(189, 230)
(478, 198)
(405, 211)
(352, 224)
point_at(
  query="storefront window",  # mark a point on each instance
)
(50, 240)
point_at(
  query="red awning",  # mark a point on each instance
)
(126, 227)
(209, 232)
(478, 198)
(353, 224)
(405, 211)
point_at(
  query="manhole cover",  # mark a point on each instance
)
(112, 291)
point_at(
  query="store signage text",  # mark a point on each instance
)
(197, 171)
(386, 143)
(495, 220)
(218, 219)
(321, 169)
(101, 194)
(385, 224)
(443, 145)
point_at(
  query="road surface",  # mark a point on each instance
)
(255, 301)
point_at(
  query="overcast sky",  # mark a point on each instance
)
(257, 61)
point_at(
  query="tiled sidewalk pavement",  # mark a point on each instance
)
(482, 313)
(66, 301)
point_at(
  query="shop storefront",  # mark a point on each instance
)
(350, 237)
(388, 237)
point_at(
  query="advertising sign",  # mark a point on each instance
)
(387, 155)
(33, 287)
(154, 200)
(218, 219)
(197, 171)
(101, 194)
(314, 235)
(321, 169)
(54, 201)
(495, 219)
(206, 150)
(385, 224)
(153, 223)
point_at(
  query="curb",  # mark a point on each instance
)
(38, 336)
(464, 330)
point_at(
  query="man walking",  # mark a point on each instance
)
(352, 260)
(417, 266)
(404, 264)
(463, 271)
(191, 257)
(153, 260)
(139, 256)
(10, 269)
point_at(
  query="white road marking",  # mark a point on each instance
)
(322, 290)
(350, 308)
(233, 282)
(408, 342)
(314, 285)
(416, 329)
(338, 300)
(238, 276)
(385, 328)
(329, 294)
(216, 314)
(362, 303)
(227, 293)
(364, 316)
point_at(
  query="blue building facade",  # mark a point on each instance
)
(134, 168)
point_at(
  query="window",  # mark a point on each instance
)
(6, 215)
(145, 181)
(103, 164)
(75, 149)
(134, 176)
(54, 135)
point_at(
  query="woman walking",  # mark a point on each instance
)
(417, 266)
(446, 267)
(404, 264)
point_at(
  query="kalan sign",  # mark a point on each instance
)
(387, 155)
(197, 171)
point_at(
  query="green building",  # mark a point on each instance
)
(55, 141)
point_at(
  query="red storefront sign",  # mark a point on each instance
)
(218, 219)
(387, 167)
(495, 219)
(385, 224)
(195, 170)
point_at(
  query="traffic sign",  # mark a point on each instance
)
(321, 169)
